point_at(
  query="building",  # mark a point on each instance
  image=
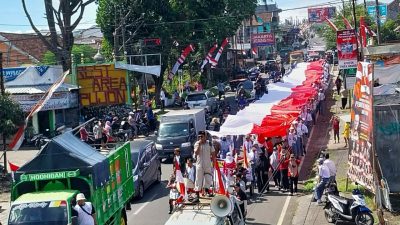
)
(21, 49)
(91, 36)
(27, 85)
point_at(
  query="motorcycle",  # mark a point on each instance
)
(39, 140)
(354, 209)
(143, 128)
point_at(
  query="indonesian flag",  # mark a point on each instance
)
(221, 49)
(245, 163)
(347, 23)
(181, 182)
(220, 183)
(13, 167)
(20, 135)
(254, 51)
(209, 58)
(331, 24)
(181, 59)
(363, 33)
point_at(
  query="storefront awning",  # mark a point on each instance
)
(38, 89)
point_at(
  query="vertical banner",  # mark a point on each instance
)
(361, 152)
(346, 42)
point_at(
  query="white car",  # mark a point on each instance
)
(202, 100)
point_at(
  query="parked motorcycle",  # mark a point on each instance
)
(39, 140)
(346, 209)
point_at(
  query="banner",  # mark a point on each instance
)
(318, 15)
(346, 42)
(382, 13)
(263, 39)
(361, 152)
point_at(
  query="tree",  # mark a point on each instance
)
(78, 51)
(61, 15)
(176, 22)
(11, 115)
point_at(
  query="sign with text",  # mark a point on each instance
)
(262, 39)
(102, 85)
(361, 152)
(49, 176)
(346, 42)
(59, 100)
(382, 13)
(318, 15)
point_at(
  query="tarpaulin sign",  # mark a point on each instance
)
(263, 39)
(346, 42)
(360, 156)
(318, 15)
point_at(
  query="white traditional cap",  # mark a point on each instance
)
(80, 196)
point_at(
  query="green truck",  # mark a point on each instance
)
(44, 189)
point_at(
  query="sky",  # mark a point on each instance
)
(13, 19)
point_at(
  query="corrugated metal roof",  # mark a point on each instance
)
(38, 89)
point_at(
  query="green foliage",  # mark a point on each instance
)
(388, 33)
(11, 115)
(107, 50)
(88, 52)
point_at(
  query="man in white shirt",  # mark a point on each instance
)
(323, 177)
(321, 98)
(331, 166)
(248, 143)
(85, 211)
(163, 98)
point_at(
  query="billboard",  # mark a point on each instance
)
(346, 42)
(382, 13)
(262, 39)
(360, 155)
(318, 15)
(102, 85)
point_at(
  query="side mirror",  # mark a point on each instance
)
(155, 133)
(74, 220)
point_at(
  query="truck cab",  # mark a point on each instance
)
(178, 129)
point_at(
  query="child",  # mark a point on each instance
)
(173, 193)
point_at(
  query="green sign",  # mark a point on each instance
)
(350, 72)
(49, 176)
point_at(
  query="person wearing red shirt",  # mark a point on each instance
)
(84, 134)
(335, 126)
(283, 167)
(269, 146)
(293, 173)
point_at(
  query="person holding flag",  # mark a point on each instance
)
(204, 155)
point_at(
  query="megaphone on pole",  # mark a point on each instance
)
(221, 206)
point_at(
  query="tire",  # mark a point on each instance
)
(364, 218)
(140, 191)
(328, 213)
(158, 178)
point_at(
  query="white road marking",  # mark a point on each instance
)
(284, 209)
(145, 204)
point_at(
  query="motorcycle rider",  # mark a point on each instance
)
(323, 179)
(133, 124)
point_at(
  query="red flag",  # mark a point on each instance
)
(245, 163)
(221, 185)
(19, 136)
(363, 34)
(180, 60)
(13, 167)
(347, 23)
(209, 58)
(331, 24)
(254, 51)
(180, 181)
(221, 49)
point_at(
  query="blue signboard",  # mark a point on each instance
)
(11, 73)
(382, 13)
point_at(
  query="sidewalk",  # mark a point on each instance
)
(18, 158)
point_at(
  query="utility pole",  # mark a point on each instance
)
(3, 92)
(378, 25)
(365, 6)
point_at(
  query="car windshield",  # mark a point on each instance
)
(173, 130)
(196, 97)
(248, 85)
(37, 213)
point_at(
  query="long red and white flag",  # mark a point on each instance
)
(209, 58)
(347, 23)
(181, 59)
(181, 182)
(220, 183)
(331, 24)
(221, 49)
(20, 135)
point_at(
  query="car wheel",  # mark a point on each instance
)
(140, 191)
(158, 179)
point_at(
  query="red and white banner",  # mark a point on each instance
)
(346, 41)
(181, 182)
(19, 136)
(347, 23)
(209, 58)
(331, 24)
(318, 15)
(221, 49)
(220, 185)
(181, 59)
(360, 157)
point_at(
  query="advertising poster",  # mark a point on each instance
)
(102, 85)
(360, 155)
(262, 39)
(346, 42)
(318, 15)
(382, 13)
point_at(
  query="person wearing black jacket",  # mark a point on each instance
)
(262, 171)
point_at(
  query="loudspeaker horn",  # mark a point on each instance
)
(221, 206)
